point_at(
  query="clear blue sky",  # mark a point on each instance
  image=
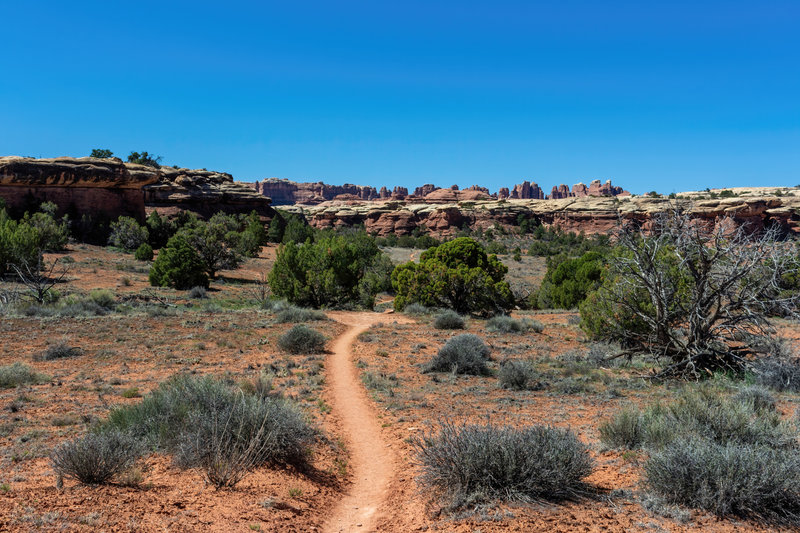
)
(678, 96)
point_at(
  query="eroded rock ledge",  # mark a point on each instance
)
(591, 215)
(109, 187)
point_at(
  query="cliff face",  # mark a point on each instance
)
(110, 188)
(285, 192)
(589, 214)
(76, 185)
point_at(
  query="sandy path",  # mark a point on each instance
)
(372, 463)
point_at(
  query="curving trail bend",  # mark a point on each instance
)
(372, 462)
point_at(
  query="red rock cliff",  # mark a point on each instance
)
(75, 185)
(111, 188)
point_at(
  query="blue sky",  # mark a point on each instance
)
(671, 97)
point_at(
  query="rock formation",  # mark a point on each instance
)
(202, 192)
(110, 188)
(76, 185)
(399, 193)
(526, 190)
(425, 190)
(284, 192)
(445, 211)
(579, 190)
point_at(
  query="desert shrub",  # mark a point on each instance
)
(778, 373)
(379, 381)
(52, 234)
(294, 314)
(97, 457)
(17, 374)
(518, 375)
(748, 480)
(759, 398)
(178, 265)
(217, 242)
(103, 297)
(20, 243)
(229, 441)
(126, 233)
(462, 354)
(332, 271)
(210, 425)
(448, 320)
(72, 307)
(497, 248)
(699, 413)
(506, 324)
(731, 455)
(302, 339)
(416, 309)
(568, 280)
(59, 350)
(144, 252)
(467, 464)
(624, 430)
(457, 275)
(160, 229)
(252, 237)
(198, 293)
(551, 241)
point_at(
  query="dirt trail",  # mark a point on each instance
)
(372, 462)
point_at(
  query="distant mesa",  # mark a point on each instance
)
(285, 192)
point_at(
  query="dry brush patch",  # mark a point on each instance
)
(51, 402)
(571, 388)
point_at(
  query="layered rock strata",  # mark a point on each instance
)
(110, 188)
(76, 185)
(588, 214)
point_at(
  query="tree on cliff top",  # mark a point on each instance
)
(101, 153)
(457, 274)
(145, 159)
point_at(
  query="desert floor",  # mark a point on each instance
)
(366, 393)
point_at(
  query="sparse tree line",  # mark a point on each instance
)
(698, 300)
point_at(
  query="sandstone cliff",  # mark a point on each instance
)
(75, 185)
(203, 192)
(590, 214)
(110, 188)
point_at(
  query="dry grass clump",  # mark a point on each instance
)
(471, 463)
(294, 314)
(97, 457)
(506, 324)
(448, 320)
(216, 428)
(17, 374)
(519, 375)
(302, 340)
(462, 354)
(731, 455)
(59, 350)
